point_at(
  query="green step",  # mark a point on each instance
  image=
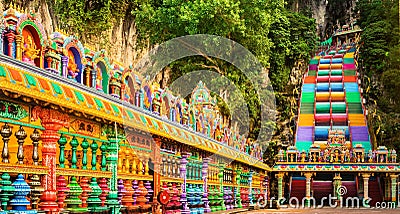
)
(355, 108)
(336, 72)
(366, 145)
(303, 145)
(307, 97)
(323, 73)
(323, 107)
(312, 73)
(338, 107)
(314, 62)
(348, 61)
(349, 72)
(353, 97)
(307, 108)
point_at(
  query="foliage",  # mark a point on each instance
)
(277, 37)
(381, 67)
(91, 18)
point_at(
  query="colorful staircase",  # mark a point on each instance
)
(374, 191)
(298, 188)
(331, 100)
(322, 189)
(351, 188)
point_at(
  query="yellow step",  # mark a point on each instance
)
(306, 119)
(357, 120)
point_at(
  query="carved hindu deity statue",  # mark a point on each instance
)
(303, 156)
(31, 52)
(99, 79)
(72, 66)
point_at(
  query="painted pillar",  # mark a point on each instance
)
(237, 189)
(18, 41)
(183, 200)
(221, 184)
(393, 179)
(52, 121)
(266, 186)
(41, 62)
(10, 39)
(93, 73)
(279, 176)
(250, 180)
(156, 159)
(112, 159)
(308, 187)
(204, 173)
(337, 183)
(366, 179)
(64, 60)
(2, 28)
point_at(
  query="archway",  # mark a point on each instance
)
(130, 90)
(31, 47)
(75, 62)
(147, 98)
(102, 77)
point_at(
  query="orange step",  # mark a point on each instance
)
(309, 79)
(324, 66)
(350, 79)
(357, 120)
(306, 120)
(336, 66)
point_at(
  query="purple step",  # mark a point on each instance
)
(304, 133)
(312, 67)
(359, 133)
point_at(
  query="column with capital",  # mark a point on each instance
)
(52, 121)
(221, 168)
(308, 176)
(93, 73)
(337, 188)
(156, 159)
(238, 200)
(10, 39)
(204, 173)
(183, 200)
(365, 177)
(250, 180)
(393, 179)
(64, 61)
(279, 176)
(112, 165)
(18, 42)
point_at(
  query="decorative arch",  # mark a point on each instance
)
(24, 21)
(147, 97)
(130, 89)
(76, 54)
(103, 71)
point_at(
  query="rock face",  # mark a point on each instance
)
(120, 41)
(327, 13)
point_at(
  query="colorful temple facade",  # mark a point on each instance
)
(333, 154)
(80, 133)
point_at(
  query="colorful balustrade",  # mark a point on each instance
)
(87, 135)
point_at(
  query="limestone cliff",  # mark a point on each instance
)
(327, 13)
(120, 40)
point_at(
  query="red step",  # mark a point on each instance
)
(298, 189)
